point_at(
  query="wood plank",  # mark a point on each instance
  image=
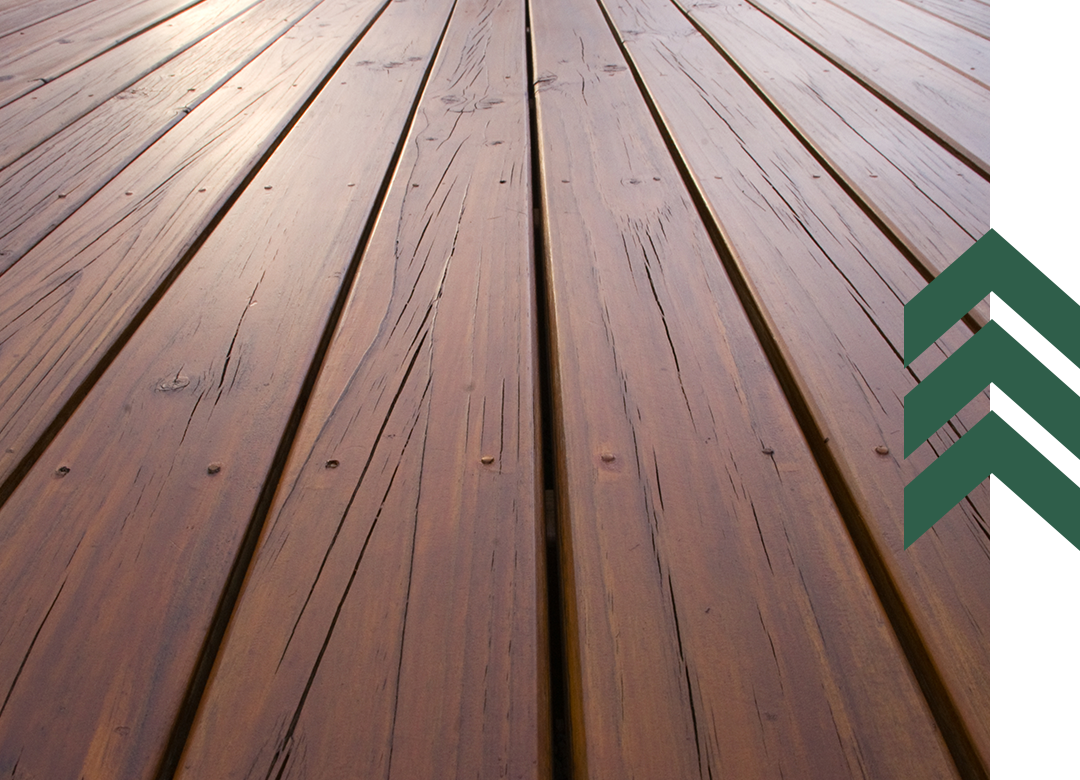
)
(392, 618)
(52, 47)
(64, 305)
(952, 108)
(16, 15)
(107, 599)
(965, 52)
(35, 117)
(930, 200)
(831, 289)
(969, 14)
(722, 624)
(78, 161)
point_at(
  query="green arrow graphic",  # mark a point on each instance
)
(992, 446)
(992, 265)
(992, 356)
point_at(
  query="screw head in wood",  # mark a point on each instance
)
(881, 449)
(487, 460)
(607, 457)
(213, 468)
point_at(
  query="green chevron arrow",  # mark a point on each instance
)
(992, 446)
(992, 355)
(992, 265)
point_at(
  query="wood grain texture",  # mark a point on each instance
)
(33, 118)
(42, 52)
(392, 618)
(953, 108)
(722, 625)
(107, 599)
(966, 53)
(934, 203)
(63, 306)
(972, 15)
(831, 289)
(18, 14)
(78, 161)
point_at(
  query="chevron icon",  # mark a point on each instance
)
(992, 356)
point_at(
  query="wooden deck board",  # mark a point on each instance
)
(933, 203)
(80, 160)
(169, 454)
(278, 399)
(952, 107)
(822, 273)
(74, 294)
(50, 108)
(963, 51)
(972, 15)
(16, 15)
(426, 532)
(695, 520)
(46, 50)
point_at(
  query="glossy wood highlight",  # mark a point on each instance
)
(830, 288)
(152, 485)
(67, 302)
(393, 619)
(719, 611)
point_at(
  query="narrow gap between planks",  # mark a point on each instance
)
(230, 596)
(893, 103)
(945, 712)
(915, 258)
(556, 613)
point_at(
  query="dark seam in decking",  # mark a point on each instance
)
(186, 716)
(945, 711)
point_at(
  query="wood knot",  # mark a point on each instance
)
(62, 471)
(173, 383)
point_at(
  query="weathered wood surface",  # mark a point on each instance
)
(78, 161)
(392, 618)
(169, 378)
(932, 202)
(971, 15)
(146, 495)
(65, 304)
(35, 117)
(966, 53)
(955, 109)
(722, 624)
(40, 53)
(16, 15)
(831, 288)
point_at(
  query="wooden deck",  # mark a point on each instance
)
(483, 388)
